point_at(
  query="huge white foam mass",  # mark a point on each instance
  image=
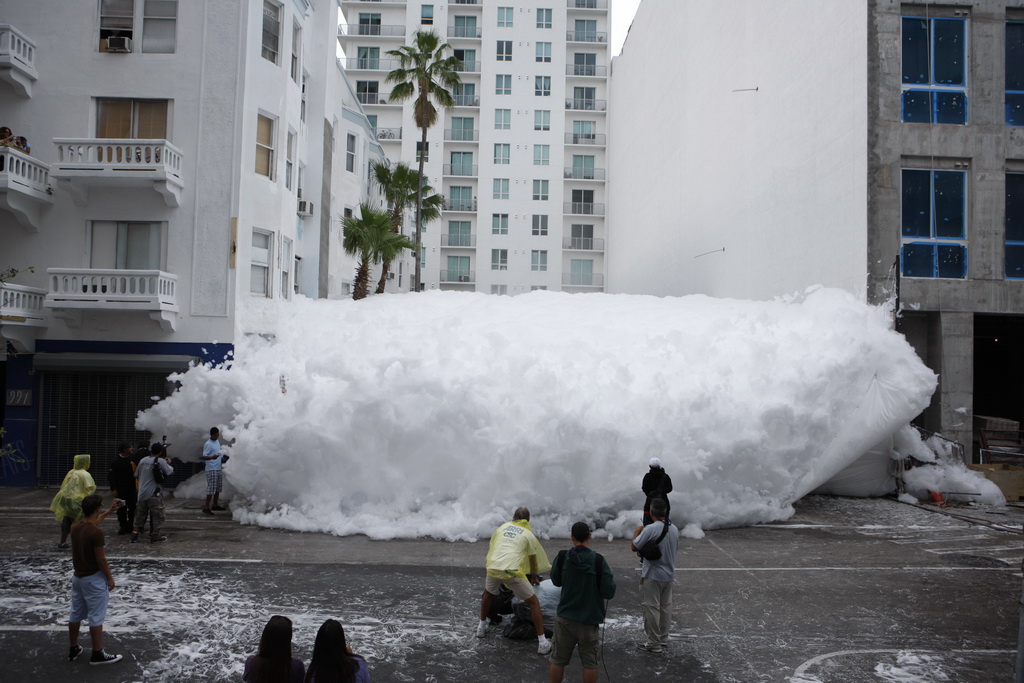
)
(437, 414)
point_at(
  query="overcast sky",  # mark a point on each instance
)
(622, 16)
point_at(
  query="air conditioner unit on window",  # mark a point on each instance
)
(119, 44)
(391, 276)
(305, 208)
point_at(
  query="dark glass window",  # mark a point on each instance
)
(933, 209)
(1015, 73)
(1015, 225)
(934, 70)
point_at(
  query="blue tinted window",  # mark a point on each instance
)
(917, 106)
(1015, 207)
(952, 260)
(915, 51)
(949, 203)
(949, 51)
(950, 107)
(1015, 109)
(919, 260)
(917, 199)
(934, 74)
(1015, 260)
(1015, 56)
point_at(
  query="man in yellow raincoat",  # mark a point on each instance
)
(67, 504)
(515, 558)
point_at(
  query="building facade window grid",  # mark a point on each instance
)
(271, 38)
(934, 70)
(1014, 235)
(934, 230)
(501, 186)
(1014, 101)
(499, 223)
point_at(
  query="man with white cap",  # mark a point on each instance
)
(656, 484)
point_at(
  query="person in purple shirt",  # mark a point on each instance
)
(333, 661)
(273, 663)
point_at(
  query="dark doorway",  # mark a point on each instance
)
(999, 366)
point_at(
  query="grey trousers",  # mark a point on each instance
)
(656, 598)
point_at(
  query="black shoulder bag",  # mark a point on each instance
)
(651, 550)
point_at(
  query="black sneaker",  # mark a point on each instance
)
(101, 657)
(207, 511)
(218, 508)
(157, 539)
(135, 538)
(74, 652)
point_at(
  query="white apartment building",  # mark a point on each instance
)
(187, 160)
(521, 157)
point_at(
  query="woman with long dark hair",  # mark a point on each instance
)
(274, 663)
(333, 661)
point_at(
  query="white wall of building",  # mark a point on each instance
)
(715, 145)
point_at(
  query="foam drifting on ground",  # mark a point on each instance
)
(437, 414)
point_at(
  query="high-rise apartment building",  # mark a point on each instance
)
(186, 163)
(521, 157)
(868, 145)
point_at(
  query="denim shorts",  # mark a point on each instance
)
(89, 597)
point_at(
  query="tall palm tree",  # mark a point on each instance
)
(369, 237)
(398, 185)
(428, 74)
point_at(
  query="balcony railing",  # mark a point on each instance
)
(374, 2)
(471, 67)
(583, 208)
(378, 30)
(583, 243)
(121, 162)
(122, 290)
(460, 276)
(583, 279)
(458, 240)
(24, 186)
(465, 31)
(460, 205)
(583, 173)
(21, 314)
(466, 2)
(467, 100)
(586, 104)
(584, 138)
(21, 305)
(389, 134)
(586, 70)
(17, 60)
(371, 63)
(587, 4)
(586, 36)
(460, 169)
(461, 135)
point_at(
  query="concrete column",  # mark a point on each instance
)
(956, 377)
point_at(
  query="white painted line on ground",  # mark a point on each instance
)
(63, 628)
(225, 560)
(848, 569)
(975, 549)
(841, 653)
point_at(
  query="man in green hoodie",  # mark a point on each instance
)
(586, 582)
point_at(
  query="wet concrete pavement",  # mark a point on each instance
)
(847, 590)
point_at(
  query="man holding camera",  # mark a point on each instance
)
(151, 500)
(657, 575)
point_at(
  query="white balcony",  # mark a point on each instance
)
(17, 60)
(118, 163)
(72, 291)
(24, 187)
(21, 315)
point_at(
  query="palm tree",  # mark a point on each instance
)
(426, 73)
(398, 185)
(370, 237)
